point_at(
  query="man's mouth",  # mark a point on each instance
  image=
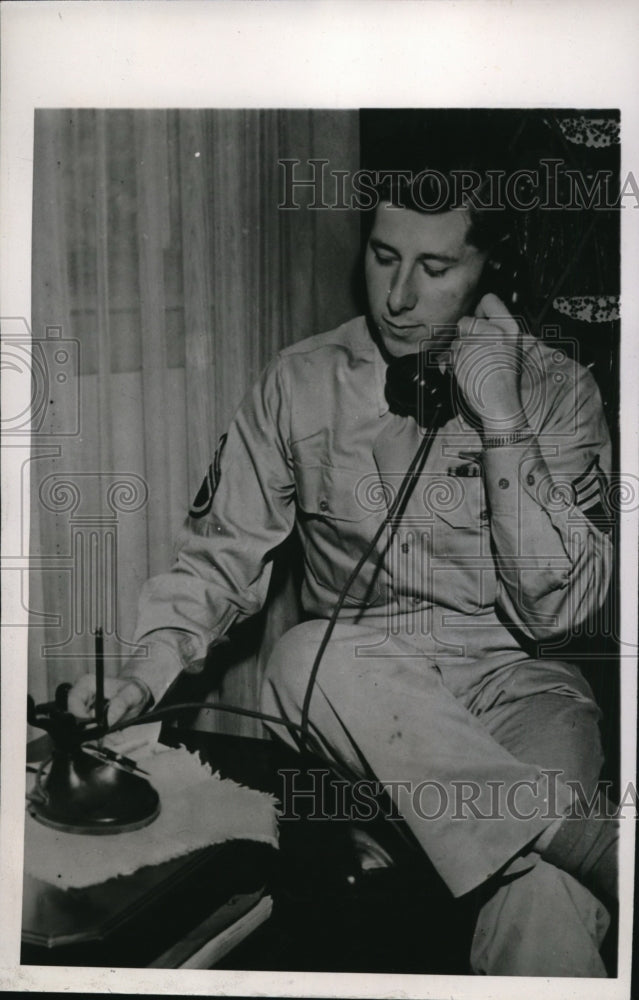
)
(401, 328)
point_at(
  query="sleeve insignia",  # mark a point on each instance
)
(204, 499)
(590, 491)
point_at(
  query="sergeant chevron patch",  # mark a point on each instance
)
(590, 495)
(204, 499)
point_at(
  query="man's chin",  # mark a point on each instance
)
(398, 344)
(396, 350)
(400, 348)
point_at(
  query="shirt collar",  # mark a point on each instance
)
(380, 380)
(373, 353)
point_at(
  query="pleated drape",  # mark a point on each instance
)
(166, 276)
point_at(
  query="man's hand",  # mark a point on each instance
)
(126, 698)
(485, 361)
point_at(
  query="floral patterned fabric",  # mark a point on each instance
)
(594, 132)
(589, 308)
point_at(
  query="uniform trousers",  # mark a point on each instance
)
(477, 775)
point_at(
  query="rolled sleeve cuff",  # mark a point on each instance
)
(515, 469)
(158, 665)
(521, 496)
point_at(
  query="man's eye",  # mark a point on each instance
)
(435, 273)
(383, 258)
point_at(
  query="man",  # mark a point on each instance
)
(430, 678)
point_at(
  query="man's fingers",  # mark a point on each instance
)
(117, 710)
(493, 322)
(491, 307)
(487, 305)
(475, 327)
(125, 699)
(451, 357)
(127, 703)
(81, 697)
(466, 326)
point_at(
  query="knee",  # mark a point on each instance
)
(291, 661)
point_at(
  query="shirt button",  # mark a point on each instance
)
(405, 547)
(503, 484)
(323, 505)
(530, 479)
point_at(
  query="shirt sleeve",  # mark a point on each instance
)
(548, 516)
(243, 511)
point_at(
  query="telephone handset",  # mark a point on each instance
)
(418, 389)
(415, 384)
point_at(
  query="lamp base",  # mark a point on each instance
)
(81, 794)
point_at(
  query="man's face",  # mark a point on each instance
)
(420, 273)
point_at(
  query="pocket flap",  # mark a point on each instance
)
(330, 492)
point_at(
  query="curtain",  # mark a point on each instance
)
(165, 276)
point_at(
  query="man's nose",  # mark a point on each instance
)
(401, 294)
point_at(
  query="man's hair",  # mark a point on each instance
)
(464, 184)
(439, 159)
(434, 190)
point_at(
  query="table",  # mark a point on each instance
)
(323, 917)
(164, 914)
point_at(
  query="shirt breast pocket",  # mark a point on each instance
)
(331, 493)
(336, 525)
(458, 501)
(462, 567)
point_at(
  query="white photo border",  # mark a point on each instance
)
(256, 53)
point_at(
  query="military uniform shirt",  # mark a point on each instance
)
(497, 546)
